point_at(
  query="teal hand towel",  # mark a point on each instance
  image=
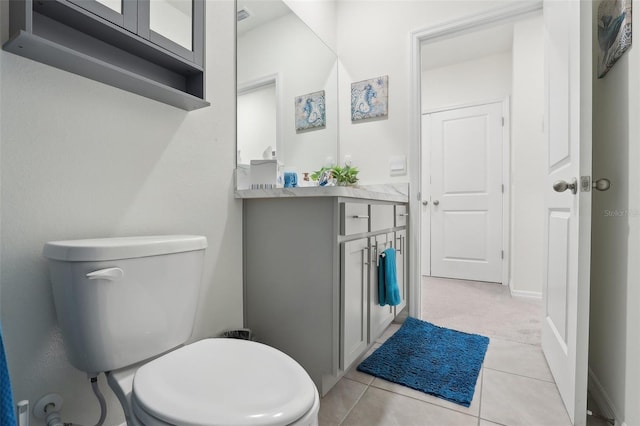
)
(7, 409)
(388, 290)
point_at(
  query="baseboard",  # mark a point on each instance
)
(601, 398)
(525, 294)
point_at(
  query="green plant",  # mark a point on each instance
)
(346, 175)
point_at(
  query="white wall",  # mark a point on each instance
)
(320, 16)
(374, 40)
(82, 159)
(305, 65)
(527, 158)
(614, 341)
(481, 80)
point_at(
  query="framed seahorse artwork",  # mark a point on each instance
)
(310, 111)
(369, 98)
(614, 32)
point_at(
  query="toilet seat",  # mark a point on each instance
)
(224, 381)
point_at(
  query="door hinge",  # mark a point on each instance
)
(501, 254)
(502, 121)
(502, 188)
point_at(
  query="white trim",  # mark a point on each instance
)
(463, 105)
(523, 294)
(506, 192)
(275, 79)
(447, 29)
(601, 398)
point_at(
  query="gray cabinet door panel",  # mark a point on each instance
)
(353, 274)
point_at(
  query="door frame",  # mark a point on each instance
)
(502, 14)
(506, 177)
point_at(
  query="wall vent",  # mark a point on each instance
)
(243, 14)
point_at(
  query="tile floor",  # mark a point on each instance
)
(515, 386)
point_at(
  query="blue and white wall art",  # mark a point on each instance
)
(614, 32)
(310, 111)
(369, 98)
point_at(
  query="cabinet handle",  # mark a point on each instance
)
(365, 257)
(358, 216)
(404, 214)
(400, 246)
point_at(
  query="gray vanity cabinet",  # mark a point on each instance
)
(354, 276)
(310, 278)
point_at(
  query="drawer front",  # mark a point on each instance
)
(381, 216)
(402, 214)
(354, 218)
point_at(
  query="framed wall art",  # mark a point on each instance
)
(369, 98)
(614, 32)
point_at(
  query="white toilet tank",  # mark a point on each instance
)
(123, 300)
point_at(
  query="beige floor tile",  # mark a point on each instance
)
(378, 407)
(487, 423)
(517, 358)
(473, 410)
(359, 376)
(335, 405)
(515, 400)
(393, 327)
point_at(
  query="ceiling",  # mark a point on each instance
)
(261, 11)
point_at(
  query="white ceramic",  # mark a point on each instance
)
(125, 304)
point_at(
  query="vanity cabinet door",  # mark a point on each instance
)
(354, 257)
(379, 316)
(400, 244)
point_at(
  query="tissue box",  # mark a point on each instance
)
(263, 174)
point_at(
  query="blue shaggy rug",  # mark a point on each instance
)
(435, 360)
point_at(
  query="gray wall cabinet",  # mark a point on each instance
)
(115, 47)
(310, 278)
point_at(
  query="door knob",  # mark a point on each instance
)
(436, 202)
(561, 186)
(424, 203)
(602, 184)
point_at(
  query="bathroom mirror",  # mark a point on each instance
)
(281, 61)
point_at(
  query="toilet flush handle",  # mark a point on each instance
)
(109, 274)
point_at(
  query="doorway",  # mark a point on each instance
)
(499, 63)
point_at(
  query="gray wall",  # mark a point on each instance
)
(81, 159)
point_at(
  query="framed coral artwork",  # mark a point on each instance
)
(614, 32)
(369, 98)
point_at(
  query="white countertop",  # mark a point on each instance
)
(386, 192)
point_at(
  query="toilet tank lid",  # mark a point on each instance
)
(98, 249)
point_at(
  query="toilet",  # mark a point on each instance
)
(126, 307)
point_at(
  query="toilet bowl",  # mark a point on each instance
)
(126, 307)
(219, 382)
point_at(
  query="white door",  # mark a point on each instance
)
(466, 192)
(565, 329)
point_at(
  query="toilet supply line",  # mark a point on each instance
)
(48, 408)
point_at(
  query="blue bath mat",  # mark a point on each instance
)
(435, 360)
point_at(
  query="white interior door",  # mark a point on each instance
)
(466, 193)
(567, 214)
